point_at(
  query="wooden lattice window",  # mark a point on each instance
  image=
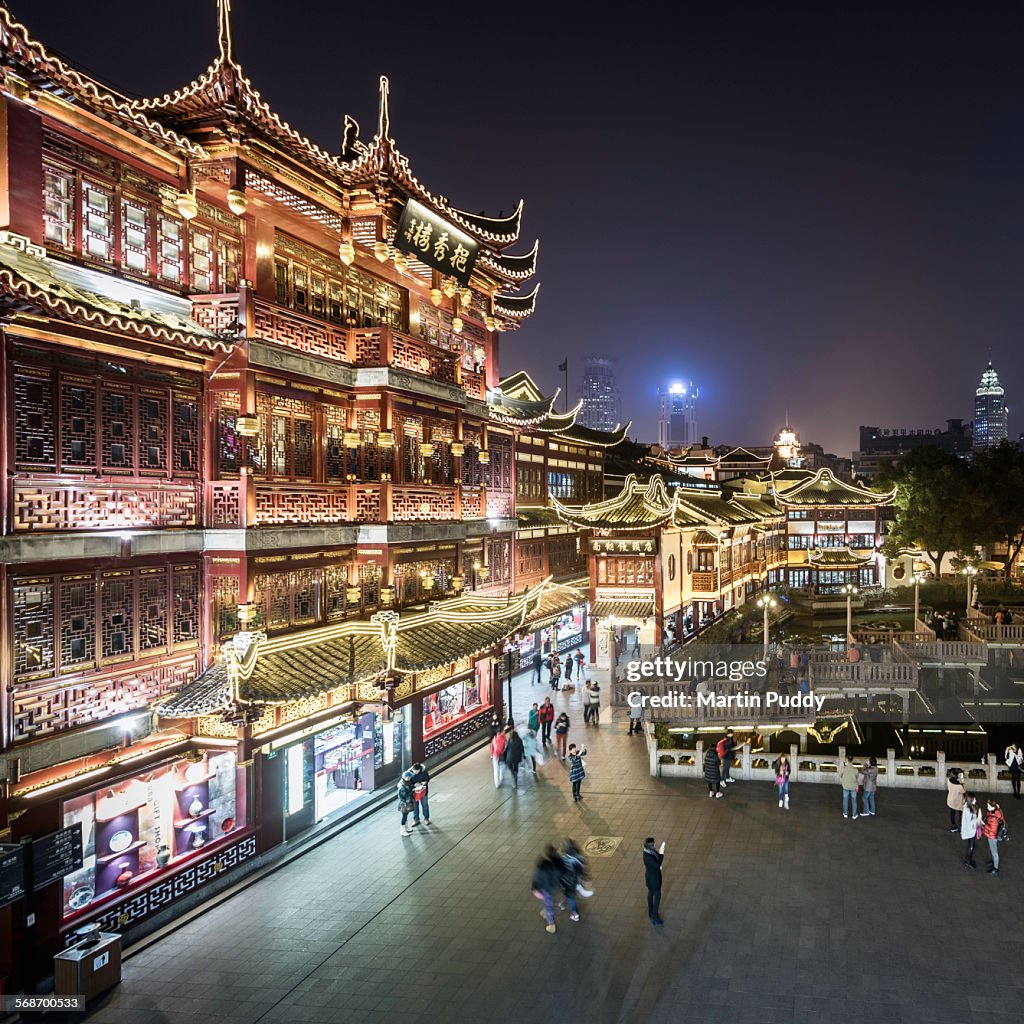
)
(335, 585)
(369, 583)
(171, 249)
(289, 598)
(59, 206)
(97, 221)
(225, 591)
(33, 627)
(286, 437)
(78, 621)
(77, 424)
(201, 261)
(411, 439)
(153, 416)
(152, 609)
(117, 614)
(185, 439)
(136, 236)
(117, 431)
(499, 560)
(34, 447)
(230, 443)
(185, 606)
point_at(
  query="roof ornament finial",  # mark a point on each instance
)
(384, 115)
(225, 42)
(349, 136)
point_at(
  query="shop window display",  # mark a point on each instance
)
(137, 827)
(453, 704)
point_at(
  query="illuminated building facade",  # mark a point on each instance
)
(248, 396)
(599, 393)
(990, 413)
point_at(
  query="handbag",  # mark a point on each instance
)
(1002, 834)
(979, 829)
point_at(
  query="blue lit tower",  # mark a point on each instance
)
(677, 415)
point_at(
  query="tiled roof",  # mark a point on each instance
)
(836, 557)
(517, 400)
(305, 664)
(99, 300)
(824, 489)
(639, 608)
(527, 516)
(636, 506)
(598, 438)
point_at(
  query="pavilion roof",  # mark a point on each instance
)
(743, 456)
(253, 668)
(518, 401)
(48, 73)
(823, 489)
(836, 557)
(94, 299)
(515, 307)
(580, 434)
(638, 506)
(511, 267)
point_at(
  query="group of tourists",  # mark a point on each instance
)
(557, 879)
(863, 779)
(556, 667)
(945, 626)
(718, 765)
(413, 797)
(974, 822)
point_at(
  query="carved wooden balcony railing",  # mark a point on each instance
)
(423, 504)
(217, 313)
(287, 504)
(57, 504)
(704, 583)
(302, 333)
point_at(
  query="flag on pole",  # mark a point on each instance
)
(563, 366)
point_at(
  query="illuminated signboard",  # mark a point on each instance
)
(435, 242)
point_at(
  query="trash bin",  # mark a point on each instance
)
(89, 967)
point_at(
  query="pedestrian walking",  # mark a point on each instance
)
(955, 796)
(573, 857)
(868, 780)
(725, 747)
(581, 664)
(531, 749)
(550, 665)
(636, 720)
(498, 745)
(514, 753)
(713, 772)
(994, 830)
(568, 669)
(587, 698)
(420, 793)
(970, 828)
(546, 881)
(561, 734)
(577, 772)
(546, 716)
(595, 701)
(538, 663)
(636, 643)
(405, 800)
(652, 877)
(782, 768)
(556, 675)
(568, 881)
(533, 718)
(848, 776)
(1014, 758)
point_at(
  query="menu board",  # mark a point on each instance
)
(56, 855)
(12, 874)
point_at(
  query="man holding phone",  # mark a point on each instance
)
(652, 871)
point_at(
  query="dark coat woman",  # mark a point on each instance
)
(712, 772)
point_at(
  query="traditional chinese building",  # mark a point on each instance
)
(246, 383)
(666, 563)
(834, 530)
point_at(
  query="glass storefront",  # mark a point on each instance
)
(340, 766)
(135, 828)
(568, 632)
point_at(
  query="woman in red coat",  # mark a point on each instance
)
(993, 819)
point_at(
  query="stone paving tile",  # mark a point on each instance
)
(778, 916)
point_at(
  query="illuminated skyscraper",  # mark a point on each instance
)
(677, 417)
(602, 405)
(990, 426)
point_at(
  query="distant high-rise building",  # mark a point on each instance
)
(677, 415)
(990, 426)
(602, 405)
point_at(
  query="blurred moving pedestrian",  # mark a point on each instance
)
(594, 687)
(652, 876)
(955, 796)
(538, 663)
(970, 828)
(573, 856)
(532, 750)
(568, 669)
(561, 734)
(725, 747)
(514, 753)
(577, 768)
(585, 700)
(713, 772)
(868, 779)
(498, 745)
(546, 881)
(636, 720)
(533, 718)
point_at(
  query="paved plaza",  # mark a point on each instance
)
(769, 917)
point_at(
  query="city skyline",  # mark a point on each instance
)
(865, 244)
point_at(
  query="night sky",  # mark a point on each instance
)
(812, 207)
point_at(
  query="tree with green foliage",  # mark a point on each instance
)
(1000, 479)
(940, 507)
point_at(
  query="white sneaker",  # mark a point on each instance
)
(780, 803)
(719, 795)
(855, 817)
(406, 832)
(710, 794)
(787, 802)
(845, 815)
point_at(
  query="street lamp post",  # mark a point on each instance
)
(508, 672)
(849, 590)
(919, 578)
(767, 602)
(969, 573)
